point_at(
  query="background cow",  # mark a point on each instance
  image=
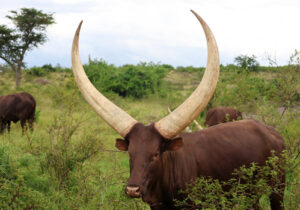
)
(15, 107)
(218, 115)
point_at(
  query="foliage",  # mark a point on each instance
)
(284, 87)
(101, 74)
(129, 80)
(44, 70)
(29, 32)
(63, 154)
(69, 160)
(36, 71)
(247, 63)
(140, 81)
(49, 68)
(243, 190)
(190, 69)
(18, 188)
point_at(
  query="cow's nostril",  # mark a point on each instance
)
(133, 191)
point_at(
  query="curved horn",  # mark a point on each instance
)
(112, 114)
(199, 127)
(183, 115)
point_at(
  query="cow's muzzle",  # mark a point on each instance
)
(133, 191)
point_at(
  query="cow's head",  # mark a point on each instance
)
(146, 144)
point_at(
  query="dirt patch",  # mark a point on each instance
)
(42, 82)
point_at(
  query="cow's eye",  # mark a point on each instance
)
(155, 156)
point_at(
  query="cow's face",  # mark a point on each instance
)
(145, 147)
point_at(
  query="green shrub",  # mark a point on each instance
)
(247, 63)
(64, 153)
(14, 194)
(21, 183)
(37, 71)
(139, 81)
(135, 81)
(190, 69)
(49, 68)
(6, 170)
(243, 191)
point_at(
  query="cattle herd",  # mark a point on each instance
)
(162, 157)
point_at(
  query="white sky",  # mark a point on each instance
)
(130, 31)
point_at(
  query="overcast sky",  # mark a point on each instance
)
(165, 31)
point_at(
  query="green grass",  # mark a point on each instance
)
(98, 182)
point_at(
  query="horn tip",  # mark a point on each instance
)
(80, 24)
(78, 28)
(193, 11)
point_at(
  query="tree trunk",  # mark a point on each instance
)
(18, 77)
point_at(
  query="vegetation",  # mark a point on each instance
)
(247, 63)
(29, 32)
(128, 80)
(69, 160)
(245, 190)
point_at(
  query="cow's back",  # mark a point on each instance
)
(218, 115)
(17, 106)
(220, 149)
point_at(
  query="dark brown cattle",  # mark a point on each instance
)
(163, 160)
(160, 167)
(218, 115)
(15, 107)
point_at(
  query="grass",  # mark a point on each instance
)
(99, 180)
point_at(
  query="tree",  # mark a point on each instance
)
(29, 32)
(246, 62)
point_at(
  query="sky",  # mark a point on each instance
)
(164, 31)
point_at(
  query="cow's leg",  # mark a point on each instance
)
(8, 126)
(30, 122)
(276, 201)
(23, 125)
(2, 126)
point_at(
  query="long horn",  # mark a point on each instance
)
(198, 126)
(112, 114)
(183, 115)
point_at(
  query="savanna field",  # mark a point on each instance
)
(69, 161)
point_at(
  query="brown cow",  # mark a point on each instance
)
(218, 115)
(15, 107)
(163, 160)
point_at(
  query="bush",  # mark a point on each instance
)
(139, 81)
(129, 80)
(21, 185)
(190, 69)
(37, 71)
(64, 154)
(49, 68)
(247, 63)
(243, 191)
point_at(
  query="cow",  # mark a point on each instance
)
(218, 115)
(162, 158)
(15, 107)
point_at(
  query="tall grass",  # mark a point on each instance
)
(69, 160)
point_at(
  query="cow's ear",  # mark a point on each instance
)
(173, 144)
(122, 144)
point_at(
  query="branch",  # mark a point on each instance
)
(9, 63)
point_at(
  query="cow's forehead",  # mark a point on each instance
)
(144, 137)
